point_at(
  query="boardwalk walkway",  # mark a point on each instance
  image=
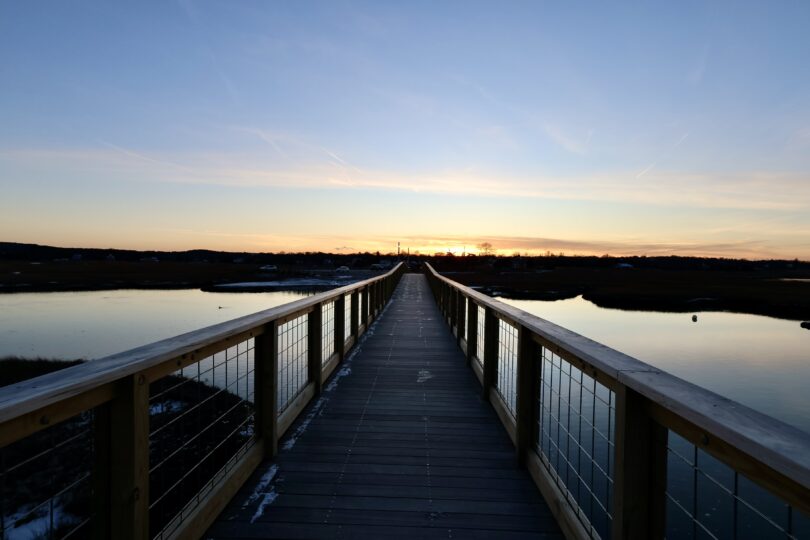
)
(399, 446)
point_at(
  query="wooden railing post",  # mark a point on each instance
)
(315, 347)
(460, 316)
(355, 322)
(102, 471)
(490, 359)
(527, 391)
(266, 381)
(340, 327)
(640, 470)
(472, 329)
(129, 456)
(364, 307)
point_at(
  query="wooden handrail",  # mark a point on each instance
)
(766, 450)
(37, 393)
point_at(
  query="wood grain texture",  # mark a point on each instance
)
(398, 445)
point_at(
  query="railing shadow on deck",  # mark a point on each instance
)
(153, 442)
(620, 449)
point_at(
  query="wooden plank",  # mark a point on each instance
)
(208, 509)
(504, 415)
(557, 502)
(330, 366)
(290, 414)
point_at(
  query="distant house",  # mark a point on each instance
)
(269, 268)
(76, 257)
(110, 257)
(624, 265)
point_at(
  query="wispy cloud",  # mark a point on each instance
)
(772, 190)
(572, 144)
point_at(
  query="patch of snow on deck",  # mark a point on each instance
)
(424, 375)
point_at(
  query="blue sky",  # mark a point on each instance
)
(577, 127)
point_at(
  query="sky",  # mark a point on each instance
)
(578, 127)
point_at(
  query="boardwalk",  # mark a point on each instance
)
(399, 446)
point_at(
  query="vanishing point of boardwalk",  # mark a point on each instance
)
(399, 445)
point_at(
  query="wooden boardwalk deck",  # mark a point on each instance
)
(399, 445)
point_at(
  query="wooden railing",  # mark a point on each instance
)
(153, 442)
(620, 449)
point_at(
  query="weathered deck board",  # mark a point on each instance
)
(398, 446)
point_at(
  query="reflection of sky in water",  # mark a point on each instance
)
(759, 361)
(97, 323)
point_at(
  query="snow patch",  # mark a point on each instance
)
(266, 501)
(423, 376)
(261, 486)
(169, 406)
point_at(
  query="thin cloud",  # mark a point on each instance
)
(749, 190)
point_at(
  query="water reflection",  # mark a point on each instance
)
(93, 324)
(759, 361)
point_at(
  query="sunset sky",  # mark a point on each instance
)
(591, 128)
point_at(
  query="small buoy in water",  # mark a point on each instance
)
(694, 318)
(220, 307)
(806, 324)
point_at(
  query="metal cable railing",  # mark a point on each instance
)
(622, 449)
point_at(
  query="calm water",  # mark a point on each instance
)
(97, 323)
(759, 361)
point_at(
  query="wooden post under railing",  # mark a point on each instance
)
(490, 359)
(355, 321)
(129, 457)
(640, 473)
(527, 392)
(364, 309)
(315, 347)
(266, 381)
(472, 330)
(460, 316)
(451, 308)
(340, 327)
(102, 470)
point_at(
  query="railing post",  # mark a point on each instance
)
(364, 308)
(490, 359)
(129, 456)
(102, 472)
(453, 311)
(315, 347)
(460, 316)
(340, 327)
(355, 322)
(266, 381)
(640, 472)
(527, 391)
(472, 330)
